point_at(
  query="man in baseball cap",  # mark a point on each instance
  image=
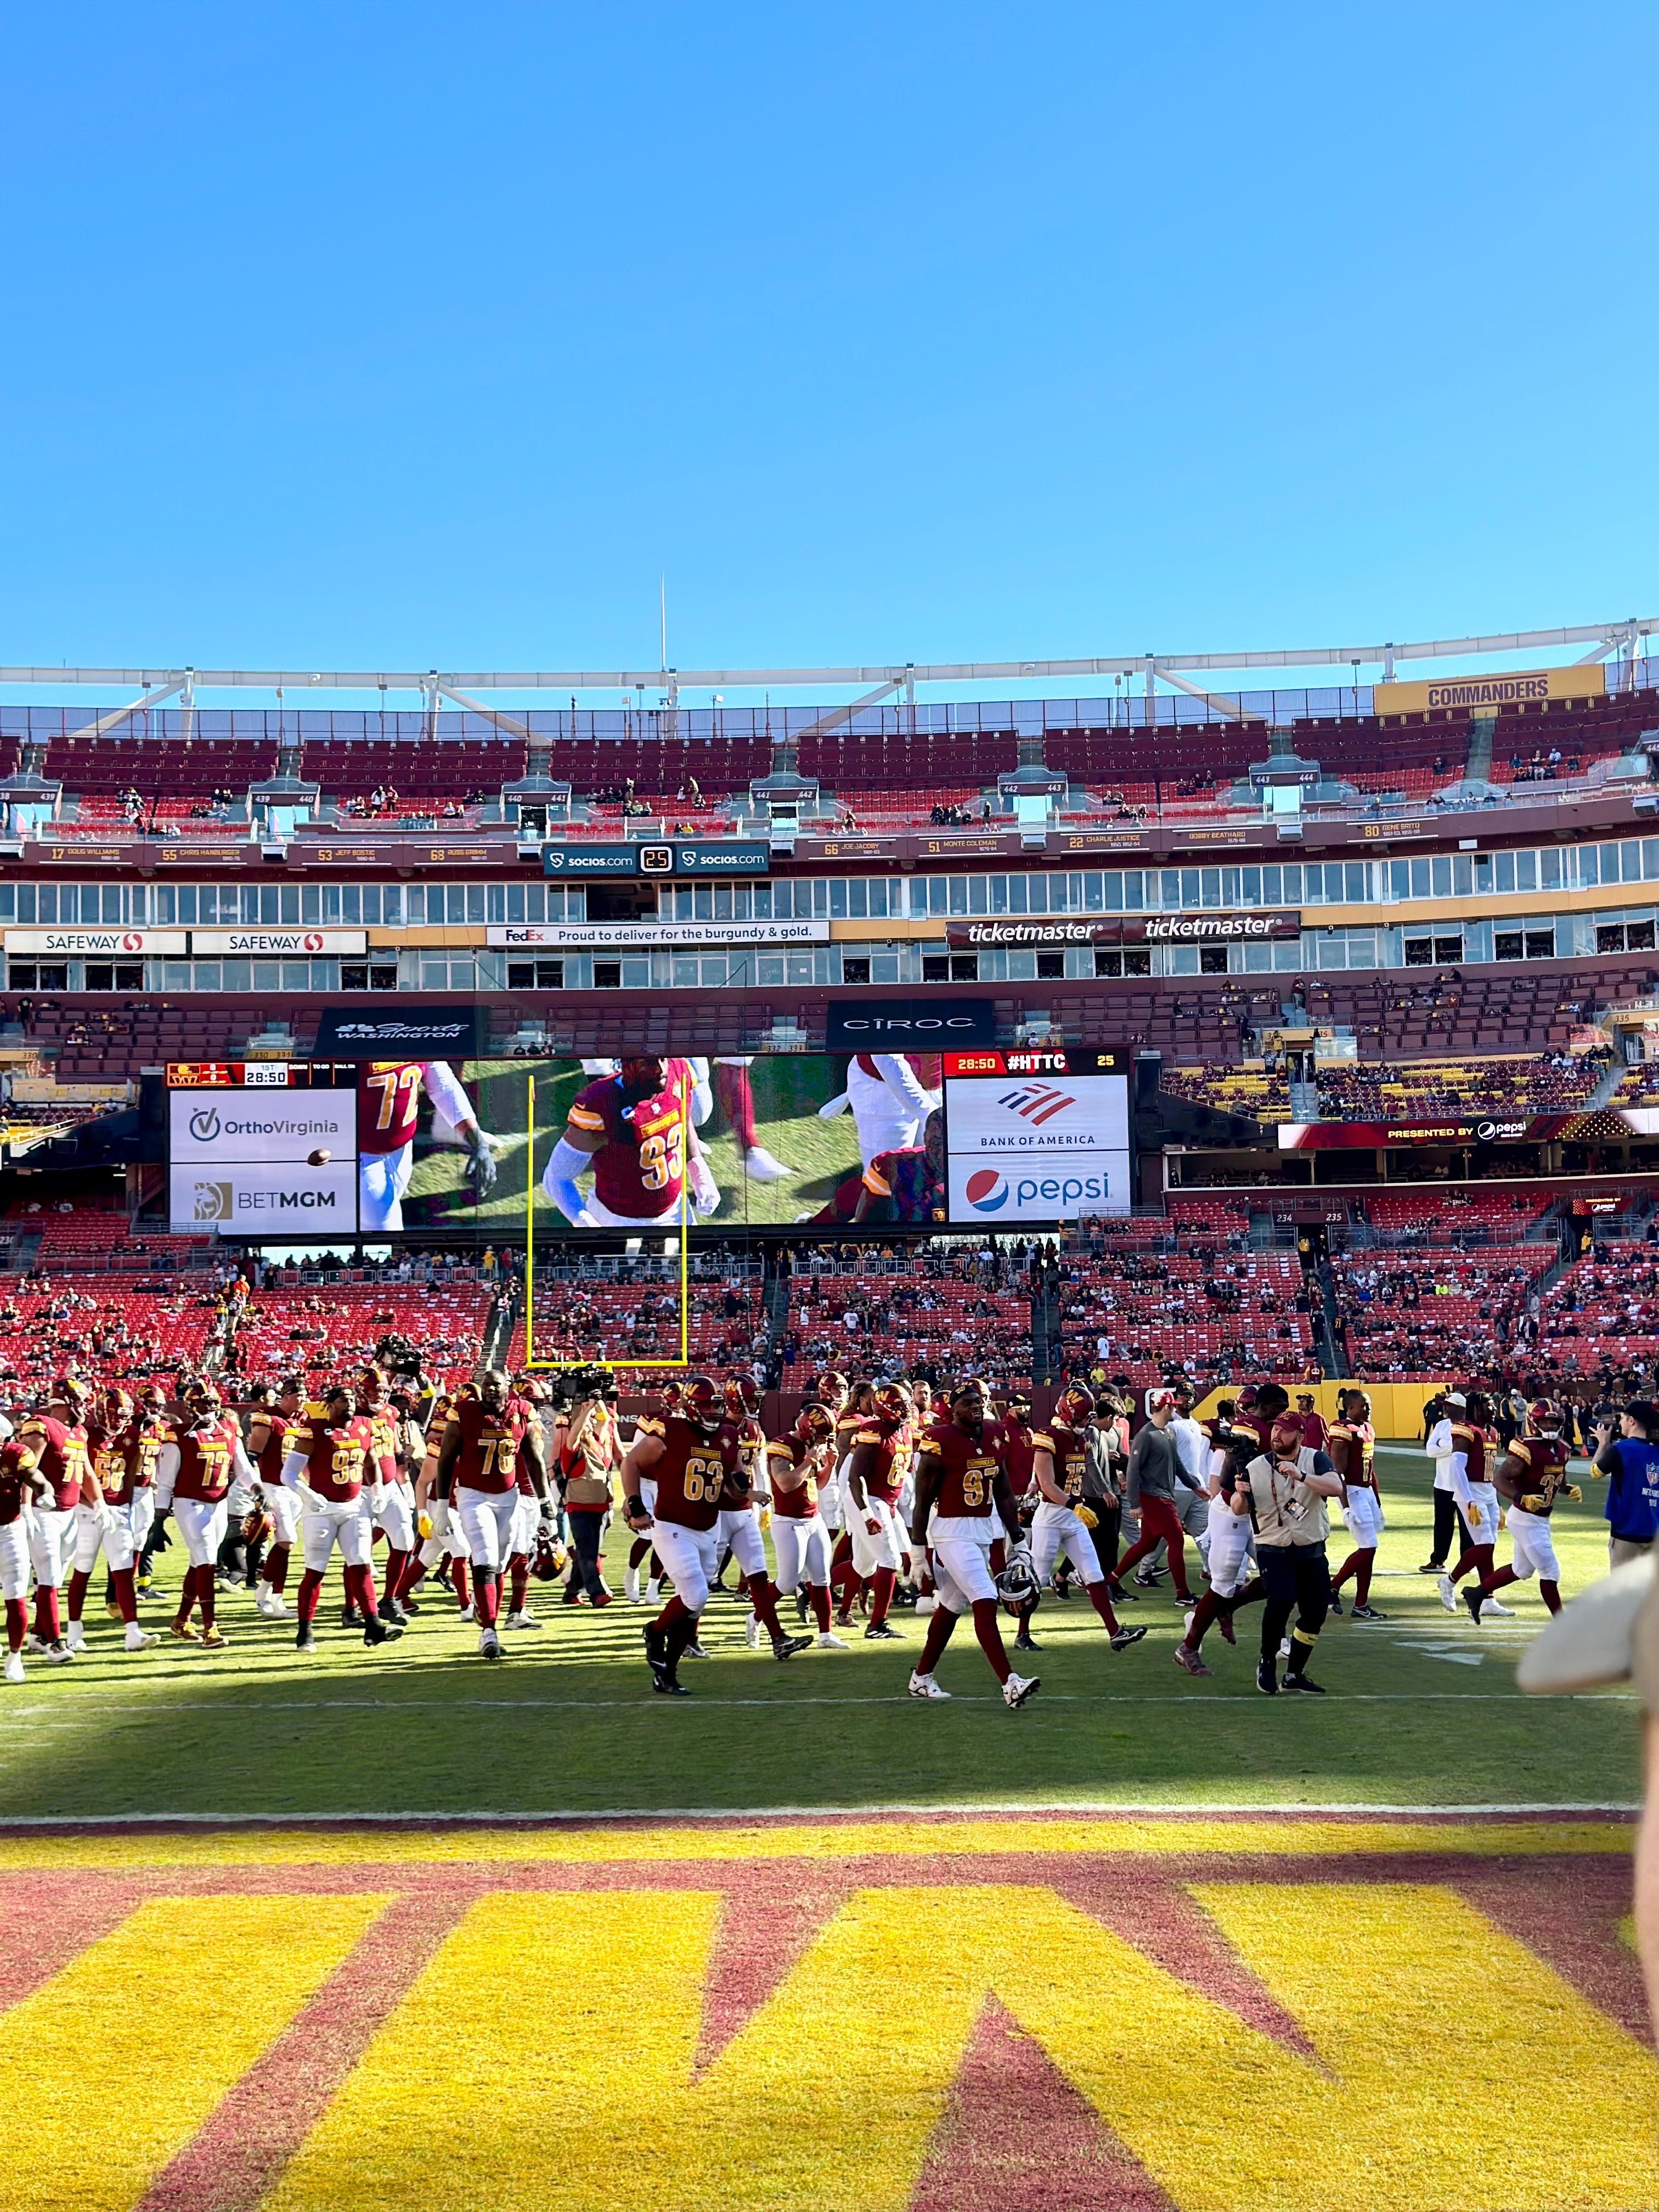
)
(1611, 1634)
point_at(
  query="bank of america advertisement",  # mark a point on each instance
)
(1037, 1148)
(263, 1163)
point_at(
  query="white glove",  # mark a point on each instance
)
(705, 1191)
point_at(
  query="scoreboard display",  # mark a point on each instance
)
(1036, 1136)
(263, 1148)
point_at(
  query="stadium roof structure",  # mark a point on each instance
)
(1178, 670)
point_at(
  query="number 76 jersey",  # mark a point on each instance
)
(692, 1471)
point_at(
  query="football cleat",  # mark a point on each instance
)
(1284, 1647)
(784, 1647)
(751, 1633)
(75, 1637)
(465, 1612)
(631, 1585)
(13, 1666)
(303, 1638)
(376, 1631)
(1187, 1659)
(878, 1632)
(1018, 1688)
(694, 1650)
(656, 1648)
(829, 1642)
(1472, 1599)
(1224, 1621)
(134, 1639)
(1448, 1592)
(490, 1644)
(349, 1617)
(759, 1165)
(1336, 1603)
(924, 1686)
(270, 1604)
(185, 1630)
(1433, 1567)
(34, 1642)
(1369, 1613)
(1308, 1687)
(59, 1654)
(1502, 1612)
(1122, 1639)
(1266, 1680)
(392, 1610)
(1023, 1642)
(667, 1684)
(214, 1640)
(654, 1592)
(522, 1619)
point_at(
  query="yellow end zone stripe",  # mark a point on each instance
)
(904, 1839)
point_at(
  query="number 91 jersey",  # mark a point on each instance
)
(968, 1469)
(692, 1471)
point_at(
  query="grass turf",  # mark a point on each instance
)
(1423, 1711)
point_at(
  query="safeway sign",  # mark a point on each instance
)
(1037, 1148)
(98, 944)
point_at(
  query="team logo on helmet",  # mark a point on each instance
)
(701, 1404)
(893, 1403)
(1544, 1416)
(118, 1408)
(742, 1398)
(1018, 1586)
(816, 1423)
(1073, 1406)
(549, 1560)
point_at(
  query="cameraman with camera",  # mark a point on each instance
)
(589, 1453)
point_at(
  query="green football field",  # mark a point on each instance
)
(1423, 1711)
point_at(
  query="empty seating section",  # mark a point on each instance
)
(1139, 1304)
(1547, 1083)
(1432, 1311)
(939, 1317)
(1450, 1218)
(1605, 1307)
(330, 1326)
(1255, 1093)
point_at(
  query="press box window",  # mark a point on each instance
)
(855, 971)
(48, 976)
(1507, 944)
(1212, 960)
(1136, 961)
(535, 975)
(125, 975)
(964, 967)
(607, 974)
(935, 968)
(1540, 944)
(1051, 967)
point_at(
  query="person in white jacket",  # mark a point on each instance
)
(890, 1102)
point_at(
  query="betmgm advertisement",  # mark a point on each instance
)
(1037, 1147)
(263, 1163)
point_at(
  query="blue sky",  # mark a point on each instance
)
(408, 336)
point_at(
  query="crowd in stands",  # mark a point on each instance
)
(1537, 1082)
(1433, 1312)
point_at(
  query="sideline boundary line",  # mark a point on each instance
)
(28, 1823)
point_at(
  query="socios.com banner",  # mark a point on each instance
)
(1037, 1148)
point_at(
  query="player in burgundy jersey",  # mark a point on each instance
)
(962, 1501)
(795, 1465)
(393, 1511)
(478, 1471)
(1350, 1442)
(193, 1480)
(1473, 1464)
(877, 1467)
(1063, 1523)
(58, 1439)
(738, 1525)
(332, 1465)
(276, 1411)
(122, 1466)
(388, 1106)
(1531, 1475)
(634, 1130)
(907, 1185)
(22, 1484)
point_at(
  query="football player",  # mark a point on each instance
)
(907, 1185)
(1352, 1445)
(1531, 1475)
(479, 1458)
(334, 1467)
(393, 1510)
(58, 1438)
(122, 1468)
(739, 1519)
(1474, 1461)
(963, 1501)
(194, 1477)
(21, 1486)
(1062, 1522)
(876, 1470)
(690, 1454)
(1228, 1539)
(794, 1466)
(634, 1130)
(388, 1106)
(891, 1094)
(276, 1411)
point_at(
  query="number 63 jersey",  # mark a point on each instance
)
(692, 1471)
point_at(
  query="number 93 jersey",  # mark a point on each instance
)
(968, 1468)
(639, 1171)
(692, 1471)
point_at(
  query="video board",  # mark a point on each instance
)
(496, 1146)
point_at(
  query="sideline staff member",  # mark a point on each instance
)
(1288, 1485)
(1631, 1462)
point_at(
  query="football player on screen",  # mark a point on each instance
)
(634, 1130)
(388, 1104)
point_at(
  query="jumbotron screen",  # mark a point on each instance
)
(826, 1141)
